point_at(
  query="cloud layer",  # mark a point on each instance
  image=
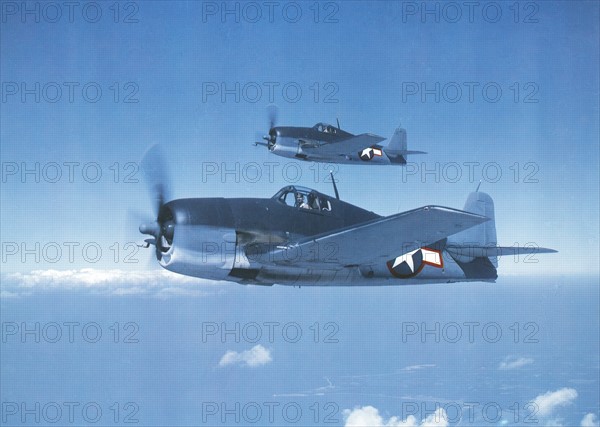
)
(158, 283)
(514, 363)
(547, 409)
(256, 356)
(590, 420)
(548, 402)
(368, 416)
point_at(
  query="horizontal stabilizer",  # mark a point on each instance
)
(404, 152)
(494, 251)
(376, 241)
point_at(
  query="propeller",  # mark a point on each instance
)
(155, 172)
(273, 113)
(156, 175)
(135, 217)
(271, 138)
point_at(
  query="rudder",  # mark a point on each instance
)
(398, 141)
(482, 235)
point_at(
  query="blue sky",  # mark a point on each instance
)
(541, 132)
(370, 59)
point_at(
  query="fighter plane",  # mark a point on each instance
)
(303, 237)
(326, 143)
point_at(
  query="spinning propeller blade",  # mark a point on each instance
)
(156, 175)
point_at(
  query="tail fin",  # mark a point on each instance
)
(398, 145)
(480, 242)
(398, 141)
(482, 235)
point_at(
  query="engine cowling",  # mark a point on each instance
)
(201, 251)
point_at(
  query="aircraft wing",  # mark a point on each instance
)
(374, 241)
(347, 146)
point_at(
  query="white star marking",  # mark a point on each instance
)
(406, 258)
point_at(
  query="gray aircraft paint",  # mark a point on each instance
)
(326, 143)
(252, 241)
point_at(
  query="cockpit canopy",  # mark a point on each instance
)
(304, 198)
(325, 127)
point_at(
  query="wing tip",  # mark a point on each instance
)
(372, 135)
(479, 218)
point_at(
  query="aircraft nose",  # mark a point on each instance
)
(273, 133)
(152, 228)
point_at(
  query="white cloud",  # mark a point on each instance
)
(437, 419)
(368, 416)
(158, 283)
(134, 290)
(89, 277)
(548, 402)
(256, 356)
(169, 292)
(319, 391)
(417, 367)
(514, 363)
(8, 294)
(555, 422)
(590, 420)
(547, 405)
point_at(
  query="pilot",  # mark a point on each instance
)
(313, 202)
(300, 203)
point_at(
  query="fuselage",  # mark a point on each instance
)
(231, 239)
(303, 143)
